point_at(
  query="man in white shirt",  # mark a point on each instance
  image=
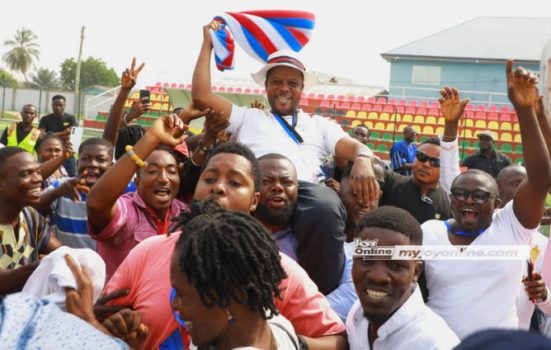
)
(306, 140)
(390, 313)
(479, 294)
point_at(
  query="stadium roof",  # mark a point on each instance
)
(482, 39)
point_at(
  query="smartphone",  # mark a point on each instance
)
(76, 136)
(145, 94)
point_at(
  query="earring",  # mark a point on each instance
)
(231, 320)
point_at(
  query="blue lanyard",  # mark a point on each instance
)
(287, 128)
(463, 233)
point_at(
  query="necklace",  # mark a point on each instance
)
(464, 233)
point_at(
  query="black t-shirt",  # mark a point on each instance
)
(20, 133)
(54, 123)
(400, 191)
(492, 165)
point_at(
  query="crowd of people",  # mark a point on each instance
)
(262, 231)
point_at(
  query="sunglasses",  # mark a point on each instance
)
(479, 196)
(423, 157)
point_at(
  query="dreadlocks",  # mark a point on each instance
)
(129, 135)
(229, 256)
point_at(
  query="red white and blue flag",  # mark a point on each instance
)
(260, 33)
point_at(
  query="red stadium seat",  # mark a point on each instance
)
(424, 104)
(505, 109)
(410, 110)
(413, 103)
(493, 108)
(403, 102)
(360, 99)
(341, 98)
(480, 115)
(422, 110)
(469, 107)
(381, 100)
(481, 108)
(371, 100)
(505, 117)
(366, 107)
(492, 116)
(181, 86)
(356, 106)
(392, 101)
(388, 108)
(377, 108)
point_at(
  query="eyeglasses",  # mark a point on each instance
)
(423, 157)
(479, 196)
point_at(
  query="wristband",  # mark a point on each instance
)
(134, 156)
(125, 121)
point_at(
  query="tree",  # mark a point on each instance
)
(24, 50)
(44, 79)
(7, 80)
(93, 71)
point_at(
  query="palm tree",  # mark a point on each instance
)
(45, 79)
(24, 50)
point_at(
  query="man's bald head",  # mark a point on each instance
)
(508, 180)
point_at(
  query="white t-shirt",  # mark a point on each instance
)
(263, 134)
(413, 326)
(472, 295)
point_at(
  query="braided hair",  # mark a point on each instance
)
(129, 135)
(229, 256)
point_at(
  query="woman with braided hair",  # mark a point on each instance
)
(226, 271)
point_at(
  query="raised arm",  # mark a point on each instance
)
(102, 198)
(128, 80)
(452, 108)
(362, 178)
(201, 92)
(529, 198)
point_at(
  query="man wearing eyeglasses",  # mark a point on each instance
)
(425, 193)
(478, 294)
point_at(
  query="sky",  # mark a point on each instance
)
(347, 40)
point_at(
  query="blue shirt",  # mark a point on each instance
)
(402, 153)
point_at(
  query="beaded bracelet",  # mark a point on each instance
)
(134, 156)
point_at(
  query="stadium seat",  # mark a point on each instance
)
(506, 137)
(492, 116)
(424, 104)
(391, 101)
(221, 89)
(375, 135)
(355, 123)
(377, 108)
(493, 108)
(360, 99)
(400, 109)
(373, 116)
(428, 130)
(379, 126)
(350, 114)
(430, 120)
(481, 108)
(410, 110)
(480, 124)
(419, 119)
(382, 148)
(439, 131)
(366, 107)
(506, 126)
(341, 98)
(417, 128)
(320, 96)
(505, 117)
(476, 145)
(351, 99)
(371, 100)
(519, 161)
(469, 107)
(402, 102)
(398, 137)
(468, 115)
(381, 100)
(371, 146)
(518, 149)
(303, 102)
(356, 106)
(311, 95)
(389, 108)
(468, 123)
(493, 125)
(390, 127)
(407, 118)
(421, 110)
(516, 126)
(517, 139)
(434, 104)
(362, 115)
(434, 112)
(413, 103)
(344, 105)
(465, 144)
(480, 115)
(368, 124)
(506, 148)
(401, 127)
(387, 137)
(384, 116)
(505, 109)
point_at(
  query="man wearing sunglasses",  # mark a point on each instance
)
(478, 294)
(425, 193)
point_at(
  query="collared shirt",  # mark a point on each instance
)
(131, 224)
(400, 154)
(492, 165)
(412, 326)
(263, 134)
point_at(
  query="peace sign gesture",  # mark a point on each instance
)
(129, 76)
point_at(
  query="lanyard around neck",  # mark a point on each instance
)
(289, 129)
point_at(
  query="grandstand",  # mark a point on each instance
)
(385, 116)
